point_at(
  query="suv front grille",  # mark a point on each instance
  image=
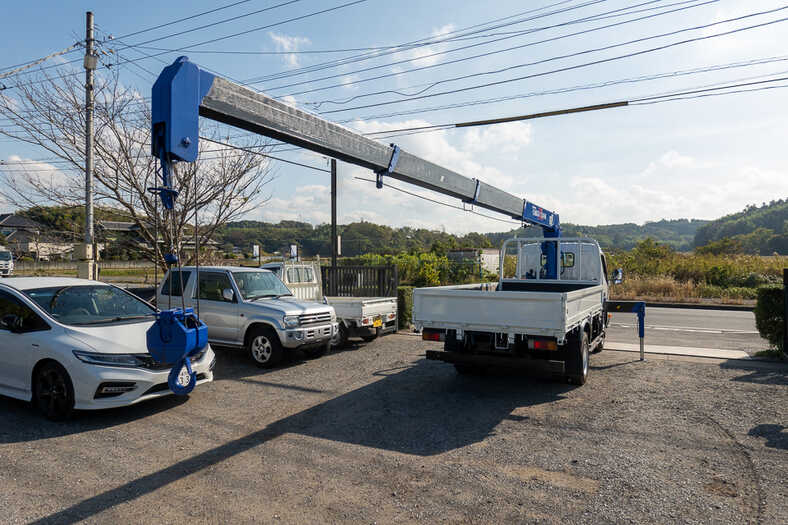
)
(318, 318)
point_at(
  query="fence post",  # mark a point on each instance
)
(785, 310)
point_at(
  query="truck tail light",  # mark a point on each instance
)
(392, 316)
(542, 344)
(366, 321)
(429, 334)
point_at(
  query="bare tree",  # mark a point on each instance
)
(48, 112)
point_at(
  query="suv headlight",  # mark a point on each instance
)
(127, 360)
(291, 321)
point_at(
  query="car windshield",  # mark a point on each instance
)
(5, 256)
(90, 305)
(256, 285)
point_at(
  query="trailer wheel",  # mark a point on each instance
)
(370, 338)
(577, 360)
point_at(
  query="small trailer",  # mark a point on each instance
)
(364, 317)
(529, 318)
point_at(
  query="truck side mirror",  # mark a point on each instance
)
(228, 295)
(12, 323)
(618, 276)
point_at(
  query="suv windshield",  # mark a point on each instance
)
(5, 256)
(90, 304)
(256, 285)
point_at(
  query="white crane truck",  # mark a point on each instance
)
(529, 315)
(541, 313)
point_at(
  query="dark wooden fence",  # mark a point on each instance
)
(360, 281)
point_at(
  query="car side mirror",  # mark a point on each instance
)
(12, 323)
(618, 276)
(228, 295)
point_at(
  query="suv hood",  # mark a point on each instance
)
(293, 306)
(127, 338)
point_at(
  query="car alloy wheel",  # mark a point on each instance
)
(54, 394)
(262, 349)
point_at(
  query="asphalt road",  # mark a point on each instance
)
(721, 329)
(377, 434)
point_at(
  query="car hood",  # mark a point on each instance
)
(293, 305)
(127, 338)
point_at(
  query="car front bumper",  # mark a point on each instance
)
(148, 384)
(307, 336)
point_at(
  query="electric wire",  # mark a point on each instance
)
(593, 18)
(411, 97)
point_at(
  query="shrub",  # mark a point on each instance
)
(404, 306)
(769, 315)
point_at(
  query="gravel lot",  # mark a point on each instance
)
(376, 434)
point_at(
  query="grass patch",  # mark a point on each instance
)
(772, 353)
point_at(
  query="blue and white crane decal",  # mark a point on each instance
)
(178, 334)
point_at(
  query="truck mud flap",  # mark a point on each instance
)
(523, 363)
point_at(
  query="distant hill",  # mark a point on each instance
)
(758, 230)
(678, 234)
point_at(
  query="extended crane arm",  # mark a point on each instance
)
(183, 92)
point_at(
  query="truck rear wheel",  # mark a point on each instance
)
(577, 360)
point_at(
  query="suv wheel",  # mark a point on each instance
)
(264, 347)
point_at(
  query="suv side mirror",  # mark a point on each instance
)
(12, 323)
(228, 295)
(618, 276)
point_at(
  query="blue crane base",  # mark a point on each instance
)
(175, 336)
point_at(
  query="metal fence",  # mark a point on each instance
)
(49, 266)
(360, 281)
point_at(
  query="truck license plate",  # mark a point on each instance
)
(377, 323)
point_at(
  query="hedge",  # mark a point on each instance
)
(404, 306)
(769, 315)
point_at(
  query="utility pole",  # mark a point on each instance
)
(334, 213)
(87, 265)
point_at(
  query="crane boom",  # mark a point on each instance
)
(183, 92)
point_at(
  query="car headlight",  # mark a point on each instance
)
(127, 360)
(291, 321)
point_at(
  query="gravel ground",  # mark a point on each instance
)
(377, 434)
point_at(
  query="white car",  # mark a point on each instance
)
(70, 344)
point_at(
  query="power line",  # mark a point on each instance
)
(264, 155)
(473, 57)
(572, 67)
(213, 24)
(135, 33)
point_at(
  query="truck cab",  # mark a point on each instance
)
(6, 262)
(251, 309)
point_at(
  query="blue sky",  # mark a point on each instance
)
(698, 158)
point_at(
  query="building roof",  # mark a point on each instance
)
(118, 226)
(11, 220)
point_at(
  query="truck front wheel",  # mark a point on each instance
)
(577, 360)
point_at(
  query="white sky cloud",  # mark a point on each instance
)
(289, 43)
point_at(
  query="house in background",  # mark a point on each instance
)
(28, 238)
(487, 258)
